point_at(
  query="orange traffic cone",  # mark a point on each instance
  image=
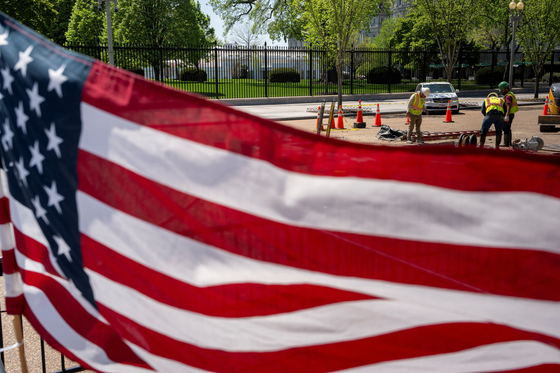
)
(359, 123)
(377, 117)
(407, 121)
(319, 121)
(340, 120)
(448, 118)
(545, 110)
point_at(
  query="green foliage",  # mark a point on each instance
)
(538, 33)
(284, 75)
(484, 75)
(59, 24)
(87, 25)
(555, 77)
(452, 23)
(193, 74)
(36, 14)
(383, 75)
(239, 70)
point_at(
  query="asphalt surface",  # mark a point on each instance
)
(285, 109)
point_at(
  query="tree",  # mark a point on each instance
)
(36, 14)
(334, 25)
(383, 39)
(87, 25)
(164, 23)
(538, 32)
(245, 34)
(59, 24)
(452, 21)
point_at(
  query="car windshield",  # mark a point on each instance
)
(440, 88)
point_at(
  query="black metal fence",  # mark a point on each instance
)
(39, 356)
(237, 72)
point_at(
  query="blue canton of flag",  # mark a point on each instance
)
(40, 126)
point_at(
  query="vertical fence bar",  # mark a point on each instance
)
(216, 68)
(492, 70)
(551, 69)
(460, 68)
(522, 72)
(390, 71)
(43, 362)
(352, 70)
(265, 72)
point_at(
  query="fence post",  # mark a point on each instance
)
(390, 71)
(492, 71)
(523, 71)
(265, 72)
(460, 67)
(551, 69)
(352, 70)
(216, 68)
(424, 66)
(310, 71)
(160, 75)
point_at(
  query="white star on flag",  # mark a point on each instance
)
(4, 38)
(21, 118)
(24, 60)
(8, 135)
(54, 197)
(36, 157)
(22, 171)
(8, 79)
(63, 248)
(1, 96)
(40, 212)
(35, 99)
(56, 79)
(54, 140)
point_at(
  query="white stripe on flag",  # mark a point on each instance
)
(57, 327)
(339, 322)
(261, 189)
(162, 364)
(490, 358)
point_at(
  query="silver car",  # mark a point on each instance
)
(441, 93)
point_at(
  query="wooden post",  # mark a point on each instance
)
(18, 329)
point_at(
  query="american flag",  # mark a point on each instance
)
(146, 229)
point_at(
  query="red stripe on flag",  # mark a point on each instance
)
(9, 264)
(235, 300)
(194, 118)
(410, 343)
(4, 211)
(521, 273)
(34, 251)
(81, 321)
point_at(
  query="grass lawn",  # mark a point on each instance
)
(252, 88)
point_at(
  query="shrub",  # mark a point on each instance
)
(139, 71)
(239, 71)
(483, 76)
(192, 74)
(383, 75)
(284, 75)
(555, 77)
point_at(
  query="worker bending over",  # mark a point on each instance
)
(494, 109)
(414, 111)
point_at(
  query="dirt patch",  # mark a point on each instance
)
(524, 126)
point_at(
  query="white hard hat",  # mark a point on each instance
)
(426, 91)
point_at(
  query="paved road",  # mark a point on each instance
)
(283, 112)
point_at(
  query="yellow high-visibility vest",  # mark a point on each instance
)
(494, 103)
(514, 108)
(417, 104)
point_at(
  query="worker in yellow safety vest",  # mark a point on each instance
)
(414, 113)
(494, 109)
(512, 108)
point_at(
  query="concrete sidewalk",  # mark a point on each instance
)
(299, 108)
